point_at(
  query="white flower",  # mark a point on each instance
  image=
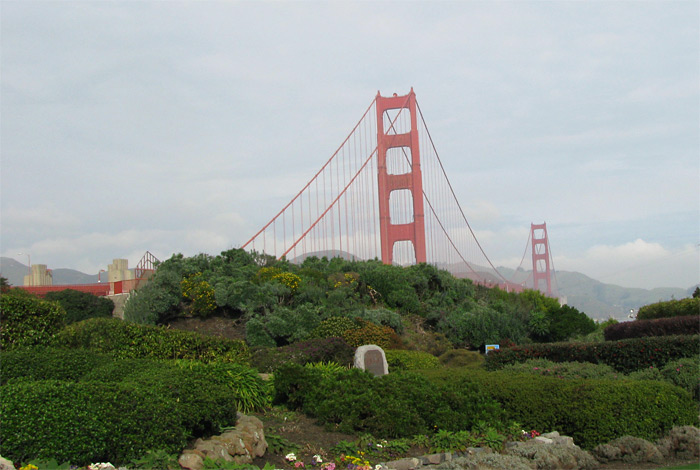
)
(380, 446)
(290, 457)
(317, 459)
(378, 467)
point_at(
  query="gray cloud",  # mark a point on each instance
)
(184, 126)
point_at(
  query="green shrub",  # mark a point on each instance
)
(462, 358)
(654, 327)
(40, 363)
(28, 321)
(194, 398)
(257, 336)
(590, 411)
(156, 301)
(81, 305)
(380, 316)
(333, 327)
(218, 385)
(410, 360)
(624, 356)
(395, 405)
(124, 339)
(481, 325)
(369, 333)
(684, 373)
(646, 374)
(86, 422)
(670, 308)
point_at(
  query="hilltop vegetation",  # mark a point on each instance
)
(158, 389)
(282, 303)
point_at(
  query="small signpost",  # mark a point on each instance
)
(492, 347)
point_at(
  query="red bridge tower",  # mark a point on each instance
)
(413, 231)
(540, 257)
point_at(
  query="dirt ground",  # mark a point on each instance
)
(312, 439)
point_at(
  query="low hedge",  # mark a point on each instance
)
(124, 339)
(193, 398)
(591, 411)
(655, 327)
(624, 356)
(399, 359)
(50, 364)
(400, 404)
(670, 308)
(84, 422)
(27, 321)
(215, 385)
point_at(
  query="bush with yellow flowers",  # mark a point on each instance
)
(200, 294)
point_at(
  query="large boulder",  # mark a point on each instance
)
(241, 445)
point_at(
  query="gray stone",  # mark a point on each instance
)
(564, 441)
(434, 459)
(404, 464)
(241, 444)
(371, 357)
(6, 464)
(628, 449)
(191, 461)
(553, 457)
(544, 440)
(488, 461)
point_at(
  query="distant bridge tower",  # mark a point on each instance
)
(407, 145)
(540, 257)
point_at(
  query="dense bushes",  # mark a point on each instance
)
(85, 422)
(656, 327)
(28, 321)
(282, 303)
(478, 325)
(624, 356)
(53, 399)
(410, 360)
(125, 339)
(394, 405)
(682, 373)
(670, 308)
(81, 305)
(590, 411)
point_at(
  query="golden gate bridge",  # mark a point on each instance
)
(385, 194)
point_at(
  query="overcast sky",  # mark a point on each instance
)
(185, 126)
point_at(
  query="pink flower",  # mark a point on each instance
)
(299, 465)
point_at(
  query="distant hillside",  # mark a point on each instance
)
(15, 271)
(602, 301)
(599, 301)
